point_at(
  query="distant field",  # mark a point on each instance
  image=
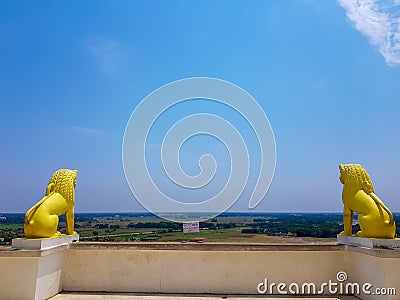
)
(228, 227)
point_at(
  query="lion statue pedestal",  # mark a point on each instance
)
(368, 242)
(43, 243)
(376, 221)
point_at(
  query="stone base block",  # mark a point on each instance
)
(43, 244)
(368, 242)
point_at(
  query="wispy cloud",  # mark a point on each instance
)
(107, 53)
(89, 131)
(380, 22)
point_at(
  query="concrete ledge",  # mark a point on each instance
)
(206, 246)
(376, 252)
(13, 252)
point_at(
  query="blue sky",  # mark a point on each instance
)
(326, 73)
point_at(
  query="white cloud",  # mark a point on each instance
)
(380, 22)
(107, 53)
(89, 131)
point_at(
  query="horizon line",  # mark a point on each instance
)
(243, 212)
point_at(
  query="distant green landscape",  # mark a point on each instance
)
(228, 227)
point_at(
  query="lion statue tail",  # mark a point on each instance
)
(378, 201)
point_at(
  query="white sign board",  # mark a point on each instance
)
(191, 227)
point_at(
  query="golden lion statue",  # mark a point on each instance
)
(374, 218)
(41, 221)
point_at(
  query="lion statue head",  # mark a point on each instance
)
(355, 178)
(63, 182)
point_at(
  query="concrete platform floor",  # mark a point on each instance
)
(133, 296)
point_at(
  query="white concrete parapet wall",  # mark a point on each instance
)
(215, 268)
(219, 268)
(198, 268)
